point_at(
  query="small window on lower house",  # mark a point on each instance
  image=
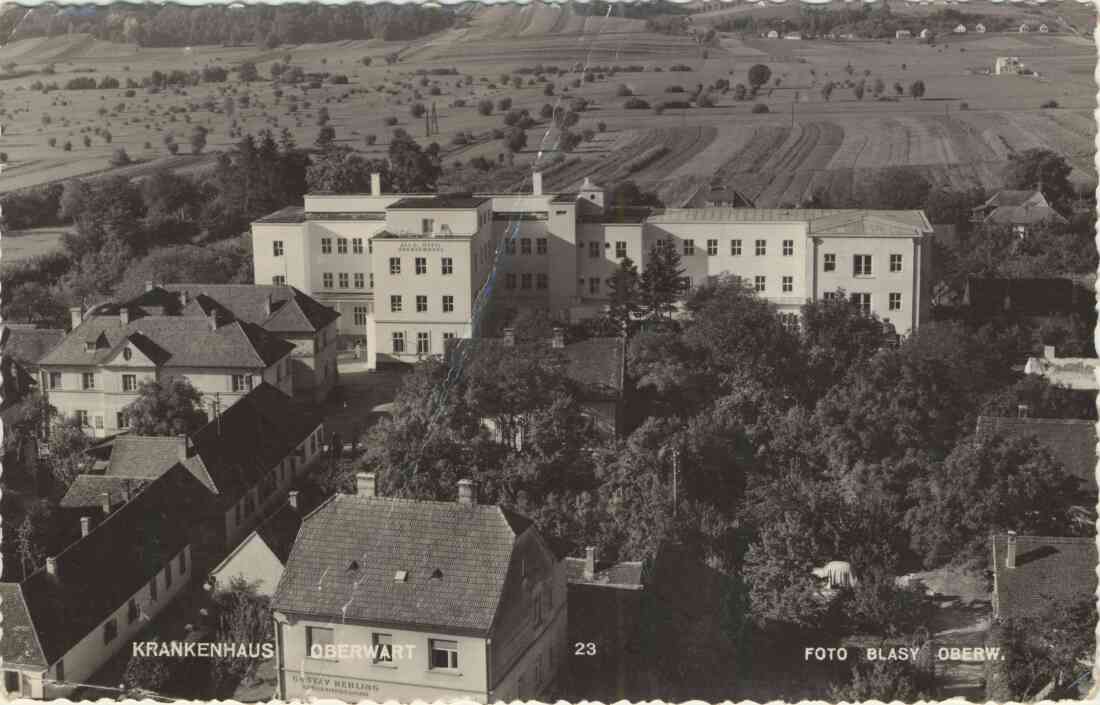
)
(183, 562)
(317, 638)
(443, 654)
(383, 647)
(131, 611)
(11, 682)
(110, 630)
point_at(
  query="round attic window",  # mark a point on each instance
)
(126, 354)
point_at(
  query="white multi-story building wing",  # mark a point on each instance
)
(407, 272)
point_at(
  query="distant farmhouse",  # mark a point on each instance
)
(1008, 65)
(1021, 209)
(903, 34)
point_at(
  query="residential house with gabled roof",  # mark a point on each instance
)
(280, 310)
(246, 458)
(68, 618)
(1032, 572)
(98, 368)
(1020, 209)
(411, 600)
(1077, 373)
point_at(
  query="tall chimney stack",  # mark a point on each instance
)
(292, 499)
(558, 340)
(213, 318)
(124, 316)
(376, 184)
(51, 565)
(150, 285)
(76, 316)
(85, 526)
(590, 563)
(105, 502)
(467, 492)
(510, 337)
(184, 298)
(1023, 410)
(365, 484)
(1010, 550)
(267, 305)
(536, 183)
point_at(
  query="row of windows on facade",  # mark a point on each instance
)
(397, 305)
(238, 383)
(862, 265)
(269, 483)
(423, 342)
(110, 627)
(863, 300)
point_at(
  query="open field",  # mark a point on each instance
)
(16, 246)
(804, 143)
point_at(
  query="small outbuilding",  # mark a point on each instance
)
(926, 33)
(773, 34)
(1025, 28)
(903, 34)
(1043, 28)
(960, 29)
(979, 28)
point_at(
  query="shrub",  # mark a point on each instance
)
(623, 91)
(52, 141)
(338, 80)
(1049, 104)
(548, 89)
(760, 108)
(370, 139)
(130, 93)
(964, 105)
(504, 105)
(485, 106)
(546, 111)
(119, 157)
(680, 67)
(68, 146)
(417, 110)
(390, 121)
(601, 126)
(460, 102)
(635, 104)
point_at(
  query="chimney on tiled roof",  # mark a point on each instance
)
(558, 341)
(76, 315)
(365, 485)
(1023, 410)
(184, 299)
(510, 337)
(292, 499)
(590, 563)
(376, 184)
(85, 526)
(51, 566)
(124, 316)
(150, 284)
(467, 492)
(184, 447)
(213, 317)
(536, 183)
(1010, 550)
(267, 304)
(1049, 352)
(105, 502)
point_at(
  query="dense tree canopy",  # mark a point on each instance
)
(166, 409)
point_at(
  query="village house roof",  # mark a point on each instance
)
(276, 309)
(228, 455)
(27, 344)
(46, 615)
(1073, 372)
(372, 560)
(443, 201)
(820, 221)
(1018, 207)
(169, 341)
(1048, 569)
(1030, 297)
(1072, 442)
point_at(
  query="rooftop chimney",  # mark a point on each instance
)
(467, 492)
(590, 563)
(267, 305)
(1049, 352)
(105, 502)
(85, 526)
(292, 499)
(1023, 410)
(559, 337)
(124, 316)
(150, 284)
(184, 447)
(376, 184)
(365, 484)
(213, 316)
(510, 337)
(536, 183)
(51, 565)
(76, 315)
(1010, 550)
(184, 298)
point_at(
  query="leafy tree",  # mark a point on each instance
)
(343, 170)
(326, 138)
(759, 75)
(899, 89)
(32, 302)
(485, 106)
(67, 442)
(243, 617)
(1043, 400)
(878, 605)
(883, 681)
(827, 90)
(897, 188)
(879, 87)
(836, 337)
(989, 483)
(740, 92)
(916, 89)
(150, 673)
(119, 157)
(412, 170)
(247, 72)
(859, 89)
(1055, 645)
(1043, 169)
(225, 262)
(166, 409)
(662, 283)
(624, 297)
(516, 140)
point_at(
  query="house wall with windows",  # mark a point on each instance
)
(896, 286)
(409, 676)
(94, 650)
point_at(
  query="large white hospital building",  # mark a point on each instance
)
(406, 270)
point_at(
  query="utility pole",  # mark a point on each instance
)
(792, 113)
(675, 479)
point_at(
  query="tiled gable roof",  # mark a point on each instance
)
(1015, 197)
(292, 311)
(279, 530)
(1047, 569)
(348, 552)
(28, 345)
(1025, 296)
(100, 571)
(249, 439)
(1024, 215)
(185, 342)
(19, 645)
(1072, 442)
(87, 490)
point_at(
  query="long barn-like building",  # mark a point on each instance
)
(407, 272)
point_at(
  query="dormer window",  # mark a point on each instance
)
(401, 576)
(89, 346)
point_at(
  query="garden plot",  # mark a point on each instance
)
(928, 142)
